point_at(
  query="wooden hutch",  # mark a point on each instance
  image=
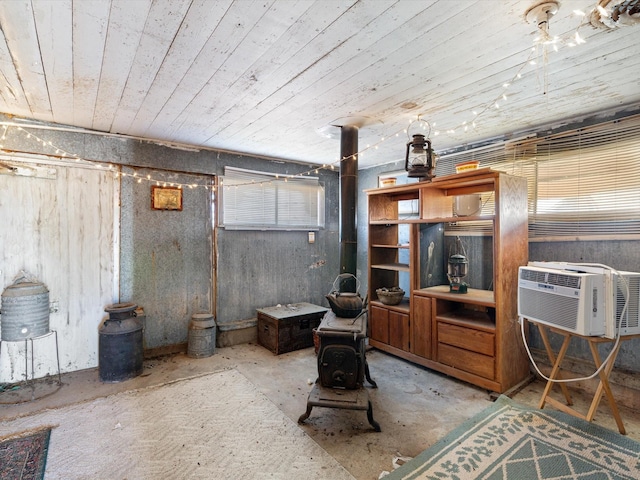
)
(472, 336)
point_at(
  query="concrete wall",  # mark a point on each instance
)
(166, 259)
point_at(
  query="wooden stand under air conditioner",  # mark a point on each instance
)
(475, 336)
(602, 390)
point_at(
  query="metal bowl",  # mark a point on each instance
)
(390, 296)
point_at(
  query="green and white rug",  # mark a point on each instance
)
(510, 441)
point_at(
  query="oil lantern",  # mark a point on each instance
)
(420, 159)
(457, 270)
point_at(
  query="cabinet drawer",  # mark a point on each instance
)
(467, 338)
(471, 362)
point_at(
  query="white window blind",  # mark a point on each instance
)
(582, 184)
(254, 200)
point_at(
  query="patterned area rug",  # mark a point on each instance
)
(24, 457)
(215, 426)
(510, 441)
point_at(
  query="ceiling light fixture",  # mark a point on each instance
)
(610, 14)
(540, 14)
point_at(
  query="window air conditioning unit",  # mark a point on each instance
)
(582, 299)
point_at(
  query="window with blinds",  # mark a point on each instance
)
(260, 201)
(582, 184)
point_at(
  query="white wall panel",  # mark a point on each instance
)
(60, 230)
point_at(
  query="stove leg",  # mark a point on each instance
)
(306, 414)
(374, 424)
(368, 375)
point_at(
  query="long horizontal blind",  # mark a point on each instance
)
(582, 184)
(255, 200)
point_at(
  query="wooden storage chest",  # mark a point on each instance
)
(289, 327)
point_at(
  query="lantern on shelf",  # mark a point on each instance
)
(420, 160)
(457, 268)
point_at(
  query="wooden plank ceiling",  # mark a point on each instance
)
(275, 78)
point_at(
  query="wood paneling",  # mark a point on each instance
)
(236, 74)
(126, 33)
(61, 231)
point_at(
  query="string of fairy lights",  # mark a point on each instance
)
(540, 48)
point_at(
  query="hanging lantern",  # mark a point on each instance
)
(420, 160)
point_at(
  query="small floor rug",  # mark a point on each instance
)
(24, 457)
(215, 426)
(510, 441)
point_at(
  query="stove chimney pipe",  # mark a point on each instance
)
(348, 201)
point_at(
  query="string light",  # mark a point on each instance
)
(464, 125)
(97, 165)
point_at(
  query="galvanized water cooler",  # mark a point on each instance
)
(25, 311)
(120, 351)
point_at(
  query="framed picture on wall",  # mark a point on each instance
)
(166, 198)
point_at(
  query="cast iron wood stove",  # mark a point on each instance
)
(342, 367)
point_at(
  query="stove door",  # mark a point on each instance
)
(339, 367)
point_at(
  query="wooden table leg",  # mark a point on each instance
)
(604, 385)
(555, 373)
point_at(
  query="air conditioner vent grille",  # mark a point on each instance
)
(550, 278)
(551, 309)
(632, 315)
(533, 275)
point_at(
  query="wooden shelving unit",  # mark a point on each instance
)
(475, 336)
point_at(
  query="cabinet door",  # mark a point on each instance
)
(379, 323)
(399, 330)
(422, 326)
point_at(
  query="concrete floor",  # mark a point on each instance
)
(414, 406)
